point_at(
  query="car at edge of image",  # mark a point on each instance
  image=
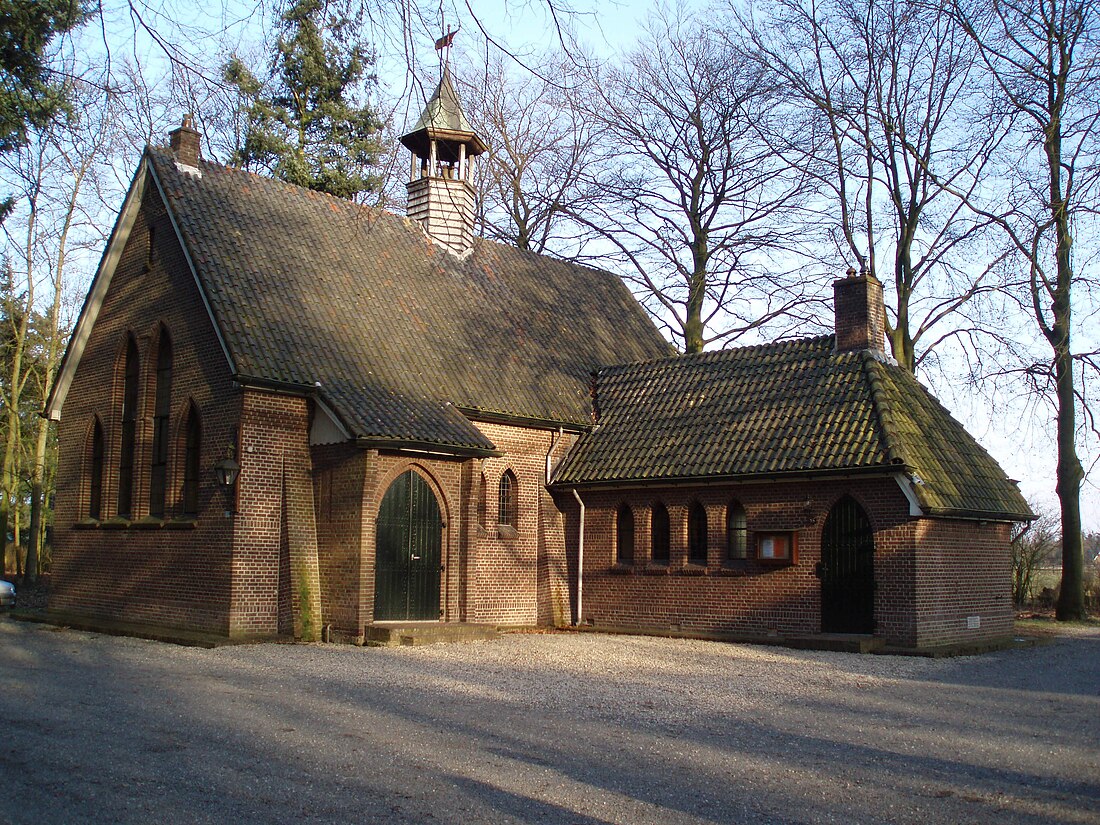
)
(7, 595)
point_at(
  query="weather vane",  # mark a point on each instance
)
(444, 43)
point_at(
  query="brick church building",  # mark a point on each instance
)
(282, 412)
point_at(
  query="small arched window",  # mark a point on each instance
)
(129, 430)
(660, 533)
(624, 535)
(158, 470)
(95, 473)
(697, 534)
(737, 532)
(508, 507)
(191, 452)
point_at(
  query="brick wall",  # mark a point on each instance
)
(339, 474)
(518, 577)
(930, 574)
(963, 572)
(275, 536)
(172, 572)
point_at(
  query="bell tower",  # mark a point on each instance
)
(443, 144)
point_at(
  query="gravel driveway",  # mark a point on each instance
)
(571, 728)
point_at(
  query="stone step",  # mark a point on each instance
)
(390, 634)
(839, 642)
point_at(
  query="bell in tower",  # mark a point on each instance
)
(443, 144)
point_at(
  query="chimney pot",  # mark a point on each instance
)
(859, 314)
(185, 142)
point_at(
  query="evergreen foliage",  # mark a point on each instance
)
(304, 124)
(29, 97)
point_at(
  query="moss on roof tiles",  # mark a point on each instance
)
(786, 408)
(307, 288)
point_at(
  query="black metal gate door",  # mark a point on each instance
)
(847, 570)
(407, 550)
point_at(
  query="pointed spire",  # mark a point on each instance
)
(443, 119)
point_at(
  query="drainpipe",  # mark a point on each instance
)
(580, 557)
(553, 443)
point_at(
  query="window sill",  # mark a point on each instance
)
(506, 531)
(115, 523)
(87, 524)
(738, 567)
(693, 570)
(621, 569)
(148, 523)
(188, 523)
(656, 569)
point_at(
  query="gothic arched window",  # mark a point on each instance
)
(129, 430)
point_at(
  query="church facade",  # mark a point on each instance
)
(281, 412)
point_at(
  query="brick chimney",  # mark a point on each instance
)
(185, 143)
(860, 316)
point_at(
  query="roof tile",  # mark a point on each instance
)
(790, 407)
(308, 288)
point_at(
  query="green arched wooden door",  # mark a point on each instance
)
(847, 570)
(407, 552)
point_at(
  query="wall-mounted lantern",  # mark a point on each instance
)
(227, 470)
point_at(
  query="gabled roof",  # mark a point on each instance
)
(393, 333)
(786, 409)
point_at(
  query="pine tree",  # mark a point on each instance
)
(29, 97)
(304, 125)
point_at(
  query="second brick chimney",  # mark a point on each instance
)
(860, 316)
(185, 143)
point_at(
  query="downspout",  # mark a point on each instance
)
(553, 443)
(580, 557)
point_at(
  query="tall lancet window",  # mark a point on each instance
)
(192, 450)
(129, 430)
(158, 469)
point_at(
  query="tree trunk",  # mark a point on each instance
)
(38, 474)
(1071, 596)
(7, 481)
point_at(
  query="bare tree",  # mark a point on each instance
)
(1033, 545)
(76, 152)
(880, 94)
(57, 213)
(539, 149)
(685, 200)
(1044, 57)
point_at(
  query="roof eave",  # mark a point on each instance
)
(734, 478)
(977, 515)
(517, 420)
(433, 448)
(97, 292)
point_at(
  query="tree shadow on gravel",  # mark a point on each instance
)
(137, 732)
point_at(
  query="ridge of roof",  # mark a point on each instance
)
(873, 368)
(809, 344)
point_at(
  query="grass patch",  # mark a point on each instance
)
(1045, 625)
